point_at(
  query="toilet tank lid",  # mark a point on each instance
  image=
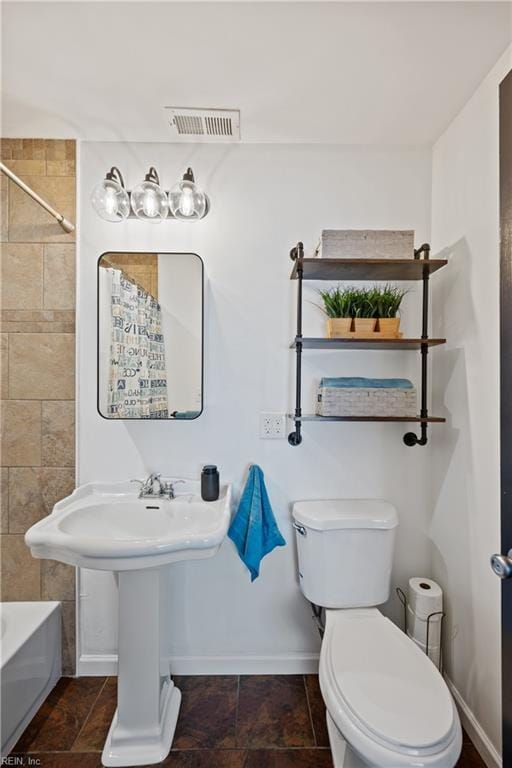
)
(335, 514)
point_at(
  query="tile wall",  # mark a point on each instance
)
(37, 300)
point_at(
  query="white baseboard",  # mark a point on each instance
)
(96, 665)
(476, 733)
(296, 664)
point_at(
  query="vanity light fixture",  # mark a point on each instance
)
(110, 199)
(148, 201)
(186, 200)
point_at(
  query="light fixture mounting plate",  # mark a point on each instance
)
(203, 125)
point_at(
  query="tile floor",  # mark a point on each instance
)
(263, 721)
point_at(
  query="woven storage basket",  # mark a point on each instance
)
(358, 401)
(366, 244)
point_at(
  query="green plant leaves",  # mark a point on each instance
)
(362, 302)
(338, 302)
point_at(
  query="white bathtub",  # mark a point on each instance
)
(30, 658)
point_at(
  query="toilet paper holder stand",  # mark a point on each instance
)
(403, 599)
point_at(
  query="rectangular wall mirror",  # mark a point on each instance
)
(150, 335)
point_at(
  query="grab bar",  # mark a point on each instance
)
(66, 225)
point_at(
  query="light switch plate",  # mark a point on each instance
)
(272, 426)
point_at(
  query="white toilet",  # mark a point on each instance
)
(387, 704)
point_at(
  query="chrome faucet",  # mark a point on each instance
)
(163, 490)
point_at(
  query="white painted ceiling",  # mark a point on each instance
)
(337, 72)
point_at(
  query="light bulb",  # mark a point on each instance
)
(111, 206)
(148, 199)
(150, 203)
(186, 200)
(110, 199)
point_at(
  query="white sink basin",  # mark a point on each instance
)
(107, 527)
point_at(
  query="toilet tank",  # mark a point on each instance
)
(345, 551)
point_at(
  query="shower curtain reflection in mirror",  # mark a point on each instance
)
(150, 336)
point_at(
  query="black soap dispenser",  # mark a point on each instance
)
(210, 483)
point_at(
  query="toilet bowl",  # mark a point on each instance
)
(387, 704)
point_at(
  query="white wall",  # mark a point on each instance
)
(264, 198)
(465, 454)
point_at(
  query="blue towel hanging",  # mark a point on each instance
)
(254, 529)
(341, 382)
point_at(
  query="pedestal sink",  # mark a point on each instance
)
(107, 527)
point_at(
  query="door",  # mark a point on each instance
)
(502, 564)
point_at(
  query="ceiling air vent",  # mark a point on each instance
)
(208, 125)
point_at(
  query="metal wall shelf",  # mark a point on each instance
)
(355, 343)
(365, 269)
(412, 419)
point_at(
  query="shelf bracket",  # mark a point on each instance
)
(423, 249)
(295, 437)
(411, 439)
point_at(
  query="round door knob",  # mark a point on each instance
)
(502, 565)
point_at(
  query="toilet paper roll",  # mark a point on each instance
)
(424, 597)
(417, 628)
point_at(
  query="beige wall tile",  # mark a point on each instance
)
(55, 483)
(4, 500)
(28, 222)
(21, 269)
(60, 167)
(57, 581)
(4, 208)
(38, 310)
(30, 327)
(68, 638)
(55, 149)
(58, 433)
(16, 145)
(37, 321)
(26, 505)
(21, 433)
(70, 148)
(21, 576)
(34, 149)
(59, 276)
(4, 364)
(23, 168)
(5, 149)
(42, 366)
(27, 149)
(39, 315)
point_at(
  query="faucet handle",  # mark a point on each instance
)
(169, 487)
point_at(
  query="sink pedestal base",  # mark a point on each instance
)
(148, 702)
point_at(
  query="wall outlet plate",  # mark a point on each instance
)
(272, 426)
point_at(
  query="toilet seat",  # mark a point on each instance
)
(384, 695)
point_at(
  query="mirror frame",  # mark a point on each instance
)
(169, 418)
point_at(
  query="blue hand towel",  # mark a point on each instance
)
(254, 529)
(358, 381)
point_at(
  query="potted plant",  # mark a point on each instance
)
(364, 309)
(338, 306)
(387, 304)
